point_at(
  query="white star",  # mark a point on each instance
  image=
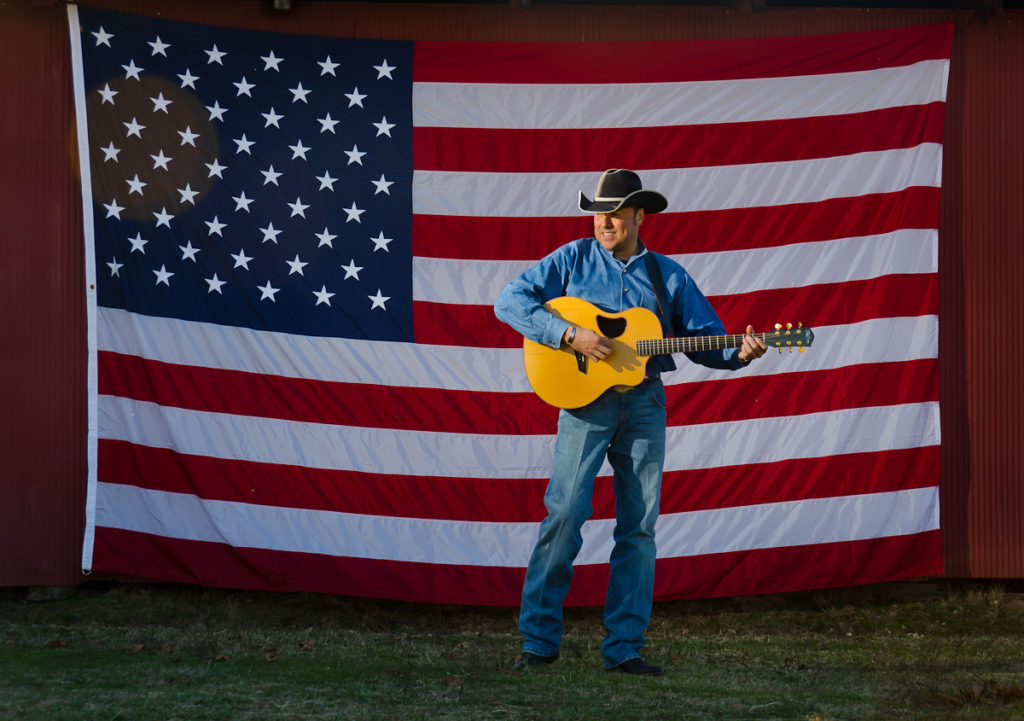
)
(298, 151)
(298, 208)
(272, 117)
(268, 292)
(134, 128)
(103, 37)
(241, 202)
(383, 127)
(379, 300)
(270, 175)
(322, 296)
(159, 46)
(243, 144)
(114, 266)
(107, 94)
(352, 270)
(215, 284)
(113, 209)
(215, 168)
(270, 233)
(160, 160)
(135, 185)
(382, 185)
(384, 70)
(326, 181)
(187, 136)
(296, 265)
(272, 61)
(299, 93)
(188, 80)
(138, 243)
(215, 226)
(326, 66)
(355, 97)
(380, 242)
(215, 55)
(110, 152)
(327, 123)
(188, 252)
(132, 70)
(216, 111)
(325, 238)
(187, 194)
(163, 217)
(353, 213)
(241, 260)
(160, 103)
(244, 86)
(163, 276)
(354, 155)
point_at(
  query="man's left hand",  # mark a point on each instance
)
(752, 347)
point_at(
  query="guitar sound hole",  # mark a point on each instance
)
(611, 327)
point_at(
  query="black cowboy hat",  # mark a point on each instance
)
(622, 189)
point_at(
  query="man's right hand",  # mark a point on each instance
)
(591, 344)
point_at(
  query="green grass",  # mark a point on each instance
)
(112, 651)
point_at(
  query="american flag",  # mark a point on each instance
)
(295, 242)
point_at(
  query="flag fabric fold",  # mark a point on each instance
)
(294, 243)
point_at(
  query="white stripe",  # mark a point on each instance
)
(417, 540)
(497, 370)
(574, 106)
(88, 234)
(468, 455)
(552, 195)
(911, 251)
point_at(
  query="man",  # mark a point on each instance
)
(610, 271)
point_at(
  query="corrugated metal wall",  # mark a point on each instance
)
(42, 446)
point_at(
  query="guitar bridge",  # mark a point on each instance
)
(581, 362)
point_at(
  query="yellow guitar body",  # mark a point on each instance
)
(565, 380)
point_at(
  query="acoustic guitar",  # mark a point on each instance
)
(567, 379)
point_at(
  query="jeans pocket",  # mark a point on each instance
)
(657, 391)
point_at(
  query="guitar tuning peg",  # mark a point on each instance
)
(788, 326)
(800, 350)
(778, 326)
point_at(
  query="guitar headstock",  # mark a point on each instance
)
(789, 338)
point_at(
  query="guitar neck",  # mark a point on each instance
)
(691, 344)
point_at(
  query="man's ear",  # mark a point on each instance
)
(639, 216)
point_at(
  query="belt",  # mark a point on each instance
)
(626, 389)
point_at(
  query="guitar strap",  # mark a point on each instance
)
(654, 273)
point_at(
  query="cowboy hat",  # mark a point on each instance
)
(622, 189)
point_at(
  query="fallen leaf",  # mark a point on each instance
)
(220, 658)
(452, 680)
(270, 654)
(136, 648)
(309, 646)
(167, 647)
(58, 643)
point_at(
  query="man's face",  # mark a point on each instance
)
(618, 232)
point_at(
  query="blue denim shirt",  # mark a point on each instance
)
(584, 269)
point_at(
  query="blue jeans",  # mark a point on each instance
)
(630, 428)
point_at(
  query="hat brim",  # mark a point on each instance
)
(650, 200)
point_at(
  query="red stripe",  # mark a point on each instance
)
(543, 63)
(750, 572)
(553, 151)
(489, 500)
(419, 409)
(894, 296)
(481, 238)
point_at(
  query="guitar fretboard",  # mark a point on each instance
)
(694, 344)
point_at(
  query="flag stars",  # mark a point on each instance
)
(327, 124)
(135, 185)
(380, 242)
(243, 144)
(131, 70)
(188, 80)
(379, 300)
(296, 265)
(159, 47)
(270, 176)
(103, 37)
(241, 259)
(215, 284)
(215, 227)
(352, 270)
(107, 94)
(163, 218)
(326, 66)
(215, 56)
(187, 136)
(268, 292)
(270, 233)
(188, 252)
(353, 213)
(299, 93)
(160, 103)
(187, 194)
(355, 155)
(326, 181)
(113, 209)
(216, 111)
(383, 127)
(110, 152)
(325, 238)
(160, 160)
(298, 208)
(244, 87)
(138, 244)
(134, 128)
(322, 295)
(298, 150)
(272, 117)
(355, 98)
(215, 168)
(242, 202)
(382, 185)
(114, 266)
(271, 62)
(384, 70)
(163, 276)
